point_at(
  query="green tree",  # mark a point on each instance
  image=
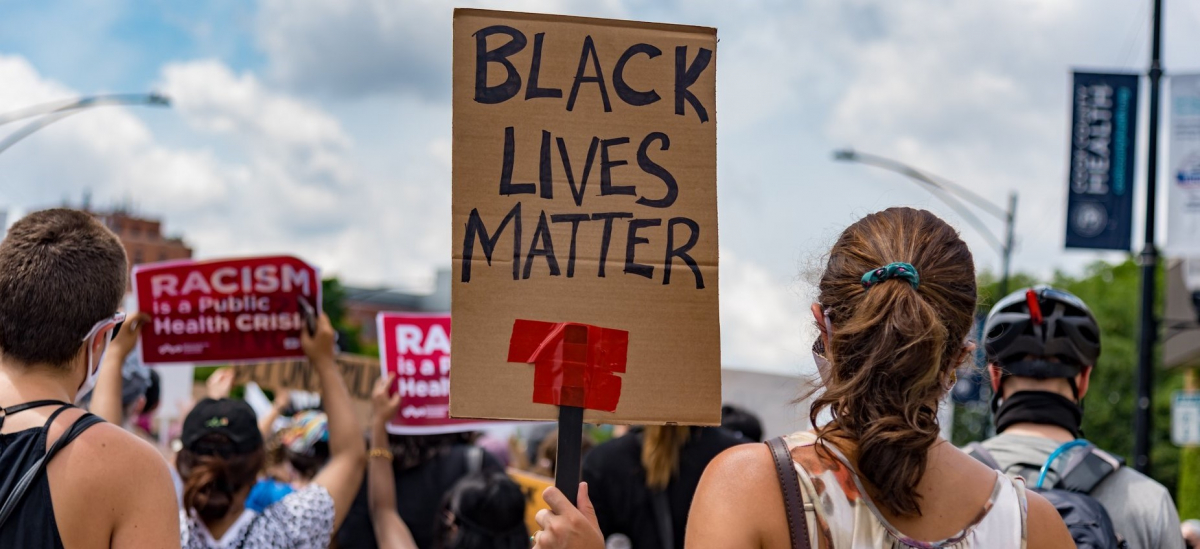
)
(333, 303)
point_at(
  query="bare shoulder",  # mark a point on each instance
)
(1045, 525)
(739, 502)
(109, 458)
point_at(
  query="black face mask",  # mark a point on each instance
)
(1040, 407)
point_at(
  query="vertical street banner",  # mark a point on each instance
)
(1103, 148)
(1183, 181)
(226, 310)
(416, 349)
(585, 219)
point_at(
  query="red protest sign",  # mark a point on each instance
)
(226, 310)
(416, 348)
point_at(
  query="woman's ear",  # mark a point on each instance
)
(819, 317)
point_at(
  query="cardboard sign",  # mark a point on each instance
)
(358, 372)
(532, 486)
(416, 347)
(224, 311)
(585, 195)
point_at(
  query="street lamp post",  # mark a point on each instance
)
(55, 111)
(946, 191)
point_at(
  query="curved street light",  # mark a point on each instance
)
(946, 191)
(57, 110)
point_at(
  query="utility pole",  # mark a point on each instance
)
(1143, 423)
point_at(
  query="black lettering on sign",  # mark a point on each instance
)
(606, 166)
(632, 267)
(532, 90)
(682, 251)
(490, 95)
(545, 176)
(577, 192)
(507, 187)
(650, 167)
(685, 76)
(574, 220)
(608, 218)
(624, 91)
(589, 51)
(488, 243)
(542, 233)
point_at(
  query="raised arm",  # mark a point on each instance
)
(267, 423)
(390, 530)
(342, 476)
(106, 397)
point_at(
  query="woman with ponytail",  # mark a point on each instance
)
(894, 312)
(223, 453)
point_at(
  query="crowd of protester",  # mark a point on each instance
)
(895, 308)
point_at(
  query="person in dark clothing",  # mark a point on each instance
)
(426, 468)
(742, 422)
(62, 278)
(630, 478)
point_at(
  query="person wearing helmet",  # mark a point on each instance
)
(1042, 346)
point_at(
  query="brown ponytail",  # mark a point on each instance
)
(660, 453)
(211, 482)
(893, 346)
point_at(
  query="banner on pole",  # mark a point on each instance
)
(1183, 181)
(1103, 145)
(227, 310)
(416, 348)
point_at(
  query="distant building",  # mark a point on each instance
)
(143, 238)
(362, 304)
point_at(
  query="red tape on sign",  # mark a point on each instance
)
(573, 363)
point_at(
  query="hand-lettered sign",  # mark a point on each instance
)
(228, 310)
(584, 199)
(416, 348)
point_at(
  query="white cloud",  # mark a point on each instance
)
(360, 48)
(763, 319)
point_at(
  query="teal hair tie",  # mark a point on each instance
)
(892, 270)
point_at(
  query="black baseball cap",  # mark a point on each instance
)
(229, 417)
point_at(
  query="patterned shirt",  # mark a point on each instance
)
(846, 518)
(301, 520)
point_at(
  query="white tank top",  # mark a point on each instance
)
(846, 518)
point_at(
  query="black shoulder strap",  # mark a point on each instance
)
(14, 498)
(1083, 475)
(977, 451)
(662, 518)
(793, 501)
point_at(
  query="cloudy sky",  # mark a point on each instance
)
(322, 127)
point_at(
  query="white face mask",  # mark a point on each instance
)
(103, 329)
(89, 379)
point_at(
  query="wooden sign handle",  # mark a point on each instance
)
(568, 470)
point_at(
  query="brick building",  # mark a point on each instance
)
(143, 238)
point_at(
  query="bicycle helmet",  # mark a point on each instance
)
(1042, 322)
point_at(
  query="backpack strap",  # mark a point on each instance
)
(977, 451)
(1083, 474)
(14, 498)
(793, 501)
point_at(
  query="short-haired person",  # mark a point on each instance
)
(896, 305)
(62, 279)
(1042, 346)
(223, 453)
